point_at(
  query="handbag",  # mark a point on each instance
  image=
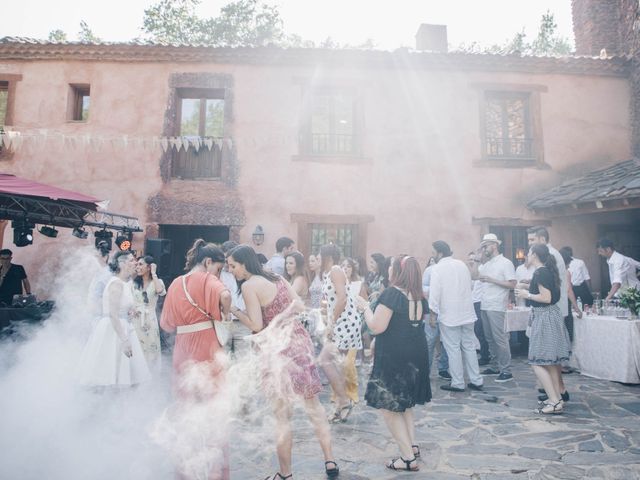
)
(222, 331)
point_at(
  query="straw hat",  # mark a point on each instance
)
(490, 238)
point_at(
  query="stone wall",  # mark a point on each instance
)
(596, 26)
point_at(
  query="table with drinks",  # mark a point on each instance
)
(606, 343)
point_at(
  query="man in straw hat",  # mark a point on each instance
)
(498, 276)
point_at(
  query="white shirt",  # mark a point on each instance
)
(579, 272)
(426, 280)
(476, 290)
(229, 281)
(563, 303)
(622, 270)
(494, 297)
(450, 293)
(276, 264)
(524, 273)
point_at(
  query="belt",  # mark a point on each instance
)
(194, 327)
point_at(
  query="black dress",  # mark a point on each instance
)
(400, 375)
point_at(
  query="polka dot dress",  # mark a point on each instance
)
(347, 330)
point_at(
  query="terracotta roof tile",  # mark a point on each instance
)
(613, 183)
(20, 48)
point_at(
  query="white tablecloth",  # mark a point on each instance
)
(607, 348)
(516, 320)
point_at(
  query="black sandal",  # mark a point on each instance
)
(341, 415)
(333, 471)
(278, 475)
(407, 464)
(416, 450)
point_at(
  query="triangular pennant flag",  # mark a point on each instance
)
(164, 143)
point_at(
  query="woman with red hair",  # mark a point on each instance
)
(400, 376)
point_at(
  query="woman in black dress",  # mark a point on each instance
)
(400, 376)
(549, 343)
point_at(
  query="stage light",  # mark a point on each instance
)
(103, 236)
(80, 232)
(50, 232)
(123, 241)
(22, 232)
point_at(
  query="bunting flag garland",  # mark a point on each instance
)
(41, 139)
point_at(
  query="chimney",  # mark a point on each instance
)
(598, 24)
(432, 38)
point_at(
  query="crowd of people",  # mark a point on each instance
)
(325, 314)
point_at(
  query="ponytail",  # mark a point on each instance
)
(548, 260)
(200, 251)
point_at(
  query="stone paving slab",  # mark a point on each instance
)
(491, 435)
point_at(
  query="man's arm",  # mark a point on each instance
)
(26, 285)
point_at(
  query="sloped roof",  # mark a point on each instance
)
(21, 48)
(620, 181)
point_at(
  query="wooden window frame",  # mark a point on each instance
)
(534, 124)
(201, 94)
(305, 221)
(11, 80)
(77, 92)
(305, 143)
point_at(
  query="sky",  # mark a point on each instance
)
(390, 24)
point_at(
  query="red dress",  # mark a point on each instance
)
(198, 366)
(294, 369)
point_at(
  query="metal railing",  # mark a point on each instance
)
(336, 144)
(509, 147)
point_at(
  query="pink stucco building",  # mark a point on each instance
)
(377, 151)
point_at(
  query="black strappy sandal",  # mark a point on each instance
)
(278, 475)
(416, 450)
(333, 471)
(407, 464)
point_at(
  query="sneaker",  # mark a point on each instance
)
(504, 377)
(473, 386)
(490, 371)
(449, 388)
(444, 375)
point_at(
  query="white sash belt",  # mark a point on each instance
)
(194, 327)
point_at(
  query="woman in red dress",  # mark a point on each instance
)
(286, 351)
(198, 356)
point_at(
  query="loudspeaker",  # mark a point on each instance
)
(160, 250)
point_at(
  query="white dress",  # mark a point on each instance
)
(146, 324)
(103, 362)
(347, 330)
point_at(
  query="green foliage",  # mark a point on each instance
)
(240, 23)
(630, 298)
(57, 36)
(85, 34)
(546, 43)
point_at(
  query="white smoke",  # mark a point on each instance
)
(54, 429)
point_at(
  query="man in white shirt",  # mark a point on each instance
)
(450, 299)
(524, 274)
(622, 270)
(499, 277)
(284, 246)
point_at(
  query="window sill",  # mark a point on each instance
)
(333, 159)
(197, 179)
(510, 162)
(77, 121)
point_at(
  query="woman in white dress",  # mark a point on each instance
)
(112, 355)
(147, 288)
(344, 326)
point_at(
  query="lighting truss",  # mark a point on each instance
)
(63, 213)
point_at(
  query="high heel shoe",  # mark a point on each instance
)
(407, 464)
(333, 471)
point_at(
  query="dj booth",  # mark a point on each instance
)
(12, 318)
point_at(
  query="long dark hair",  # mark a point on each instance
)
(202, 250)
(383, 267)
(548, 260)
(138, 282)
(300, 267)
(246, 256)
(329, 251)
(406, 275)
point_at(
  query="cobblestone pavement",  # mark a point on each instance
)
(482, 436)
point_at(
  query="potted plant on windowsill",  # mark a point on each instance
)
(630, 298)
